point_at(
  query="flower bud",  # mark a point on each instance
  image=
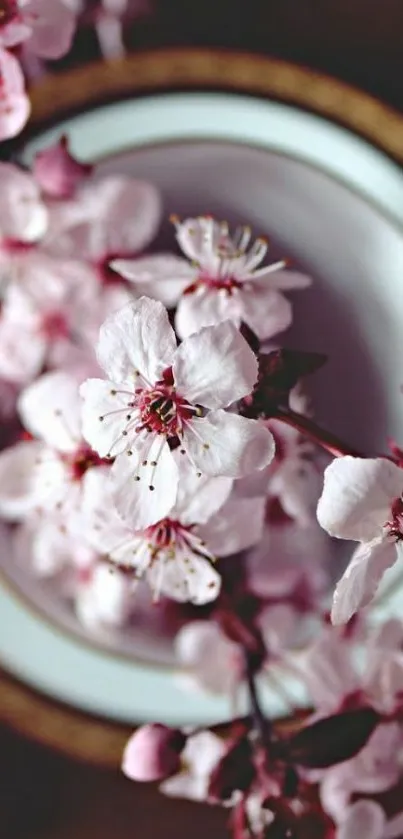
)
(153, 753)
(57, 172)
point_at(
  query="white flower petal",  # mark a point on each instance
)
(238, 525)
(214, 661)
(215, 367)
(162, 276)
(102, 398)
(267, 312)
(360, 581)
(200, 755)
(199, 496)
(357, 495)
(20, 490)
(206, 307)
(136, 339)
(103, 600)
(226, 444)
(190, 579)
(50, 409)
(24, 216)
(364, 820)
(139, 505)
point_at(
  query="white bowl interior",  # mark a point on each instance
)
(354, 312)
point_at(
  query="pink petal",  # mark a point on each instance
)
(127, 213)
(52, 27)
(199, 496)
(50, 409)
(137, 339)
(14, 33)
(57, 172)
(214, 662)
(15, 109)
(161, 276)
(328, 672)
(206, 307)
(24, 216)
(201, 754)
(238, 525)
(104, 600)
(357, 496)
(364, 819)
(360, 581)
(195, 581)
(19, 490)
(103, 413)
(198, 238)
(215, 367)
(22, 349)
(226, 444)
(135, 502)
(267, 312)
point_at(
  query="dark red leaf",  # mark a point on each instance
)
(332, 740)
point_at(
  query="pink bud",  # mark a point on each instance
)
(153, 753)
(57, 172)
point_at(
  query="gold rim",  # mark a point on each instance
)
(169, 69)
(58, 726)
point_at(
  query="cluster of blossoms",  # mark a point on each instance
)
(33, 32)
(156, 439)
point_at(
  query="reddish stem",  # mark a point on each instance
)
(308, 428)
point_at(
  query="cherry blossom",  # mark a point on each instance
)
(105, 218)
(50, 470)
(176, 554)
(362, 500)
(15, 106)
(48, 25)
(158, 395)
(57, 172)
(223, 279)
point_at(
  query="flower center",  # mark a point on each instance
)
(156, 410)
(54, 325)
(395, 525)
(83, 459)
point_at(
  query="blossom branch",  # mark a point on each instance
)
(308, 428)
(261, 723)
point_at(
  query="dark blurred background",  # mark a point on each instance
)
(360, 41)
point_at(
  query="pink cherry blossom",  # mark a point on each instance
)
(15, 106)
(106, 218)
(202, 753)
(153, 753)
(158, 394)
(362, 500)
(57, 172)
(49, 471)
(364, 818)
(225, 282)
(176, 554)
(47, 302)
(48, 25)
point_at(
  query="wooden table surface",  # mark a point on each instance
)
(42, 794)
